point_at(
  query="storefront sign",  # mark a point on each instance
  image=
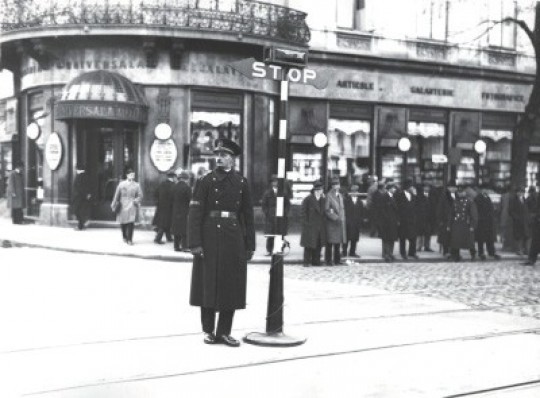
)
(432, 91)
(352, 84)
(163, 154)
(53, 151)
(503, 97)
(93, 110)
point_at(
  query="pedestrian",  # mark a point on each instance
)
(181, 199)
(313, 216)
(373, 187)
(534, 248)
(444, 213)
(354, 214)
(82, 194)
(336, 227)
(426, 211)
(221, 236)
(15, 193)
(532, 202)
(463, 221)
(164, 207)
(387, 220)
(269, 201)
(518, 212)
(485, 232)
(407, 213)
(125, 204)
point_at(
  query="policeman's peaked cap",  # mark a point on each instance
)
(227, 145)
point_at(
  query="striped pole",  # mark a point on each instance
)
(282, 153)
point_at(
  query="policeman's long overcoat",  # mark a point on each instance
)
(485, 230)
(80, 203)
(219, 278)
(268, 206)
(313, 222)
(407, 216)
(354, 214)
(181, 199)
(164, 205)
(15, 191)
(444, 213)
(463, 221)
(336, 227)
(387, 217)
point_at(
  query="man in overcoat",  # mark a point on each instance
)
(406, 206)
(221, 236)
(336, 227)
(519, 214)
(485, 232)
(164, 207)
(534, 249)
(426, 211)
(313, 236)
(444, 213)
(80, 202)
(269, 209)
(15, 193)
(354, 214)
(463, 221)
(181, 199)
(387, 220)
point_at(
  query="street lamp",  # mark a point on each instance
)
(320, 140)
(404, 145)
(480, 148)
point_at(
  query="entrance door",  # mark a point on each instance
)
(107, 149)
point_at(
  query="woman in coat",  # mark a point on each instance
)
(519, 214)
(126, 202)
(313, 236)
(181, 199)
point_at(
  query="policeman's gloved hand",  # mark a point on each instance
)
(197, 251)
(249, 254)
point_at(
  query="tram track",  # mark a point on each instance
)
(489, 391)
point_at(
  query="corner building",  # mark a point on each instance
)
(104, 75)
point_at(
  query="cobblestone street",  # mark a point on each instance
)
(500, 286)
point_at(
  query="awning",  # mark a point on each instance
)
(102, 95)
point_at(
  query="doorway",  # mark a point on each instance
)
(107, 149)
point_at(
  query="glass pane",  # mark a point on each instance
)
(106, 175)
(345, 9)
(206, 127)
(392, 166)
(129, 150)
(465, 171)
(306, 169)
(532, 173)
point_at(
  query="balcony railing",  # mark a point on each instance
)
(244, 17)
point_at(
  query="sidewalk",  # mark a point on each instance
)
(109, 241)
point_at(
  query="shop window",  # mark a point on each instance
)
(532, 173)
(495, 165)
(349, 143)
(427, 139)
(206, 127)
(307, 165)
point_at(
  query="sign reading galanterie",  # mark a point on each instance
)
(53, 151)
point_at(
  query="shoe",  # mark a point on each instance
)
(339, 263)
(306, 265)
(125, 240)
(482, 257)
(229, 341)
(158, 242)
(457, 259)
(354, 255)
(328, 263)
(473, 258)
(210, 338)
(130, 242)
(387, 259)
(415, 257)
(268, 254)
(404, 257)
(496, 257)
(427, 249)
(528, 262)
(177, 249)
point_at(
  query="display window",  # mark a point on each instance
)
(349, 143)
(427, 139)
(206, 127)
(495, 164)
(532, 173)
(307, 166)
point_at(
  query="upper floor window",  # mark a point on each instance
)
(432, 19)
(503, 34)
(351, 14)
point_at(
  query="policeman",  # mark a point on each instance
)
(221, 237)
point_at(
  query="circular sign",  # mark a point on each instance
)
(163, 154)
(39, 117)
(320, 140)
(163, 131)
(33, 131)
(480, 146)
(53, 151)
(404, 144)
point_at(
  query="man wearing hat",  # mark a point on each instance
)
(181, 199)
(15, 193)
(221, 236)
(519, 214)
(269, 209)
(164, 206)
(336, 227)
(406, 206)
(387, 220)
(313, 217)
(354, 215)
(444, 214)
(80, 203)
(463, 221)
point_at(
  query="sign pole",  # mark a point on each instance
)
(274, 335)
